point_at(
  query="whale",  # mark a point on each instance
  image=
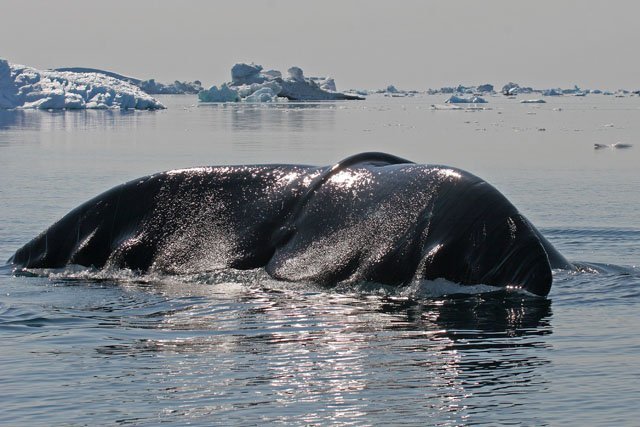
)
(372, 217)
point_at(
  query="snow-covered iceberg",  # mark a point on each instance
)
(150, 86)
(252, 84)
(26, 87)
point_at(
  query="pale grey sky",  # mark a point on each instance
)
(362, 44)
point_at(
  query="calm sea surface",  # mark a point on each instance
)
(238, 348)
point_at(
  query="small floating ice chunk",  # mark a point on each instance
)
(533, 101)
(445, 107)
(462, 100)
(485, 88)
(511, 88)
(391, 89)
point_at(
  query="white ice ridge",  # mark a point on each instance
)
(462, 100)
(250, 83)
(26, 87)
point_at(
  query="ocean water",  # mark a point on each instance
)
(238, 348)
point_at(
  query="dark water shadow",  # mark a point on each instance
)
(14, 119)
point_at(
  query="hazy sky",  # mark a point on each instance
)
(362, 44)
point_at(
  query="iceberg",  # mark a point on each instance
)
(150, 86)
(485, 88)
(251, 84)
(461, 100)
(552, 92)
(224, 94)
(391, 89)
(461, 89)
(25, 87)
(511, 89)
(8, 90)
(394, 92)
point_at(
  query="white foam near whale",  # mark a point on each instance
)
(26, 87)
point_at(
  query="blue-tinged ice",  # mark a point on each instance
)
(552, 92)
(463, 100)
(26, 87)
(224, 94)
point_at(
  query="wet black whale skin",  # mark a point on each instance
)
(371, 217)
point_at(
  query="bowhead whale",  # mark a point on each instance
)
(371, 217)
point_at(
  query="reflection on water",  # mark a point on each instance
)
(242, 353)
(76, 120)
(294, 117)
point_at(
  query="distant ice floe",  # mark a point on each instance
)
(465, 90)
(533, 101)
(457, 107)
(25, 87)
(512, 89)
(391, 89)
(552, 92)
(250, 83)
(465, 100)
